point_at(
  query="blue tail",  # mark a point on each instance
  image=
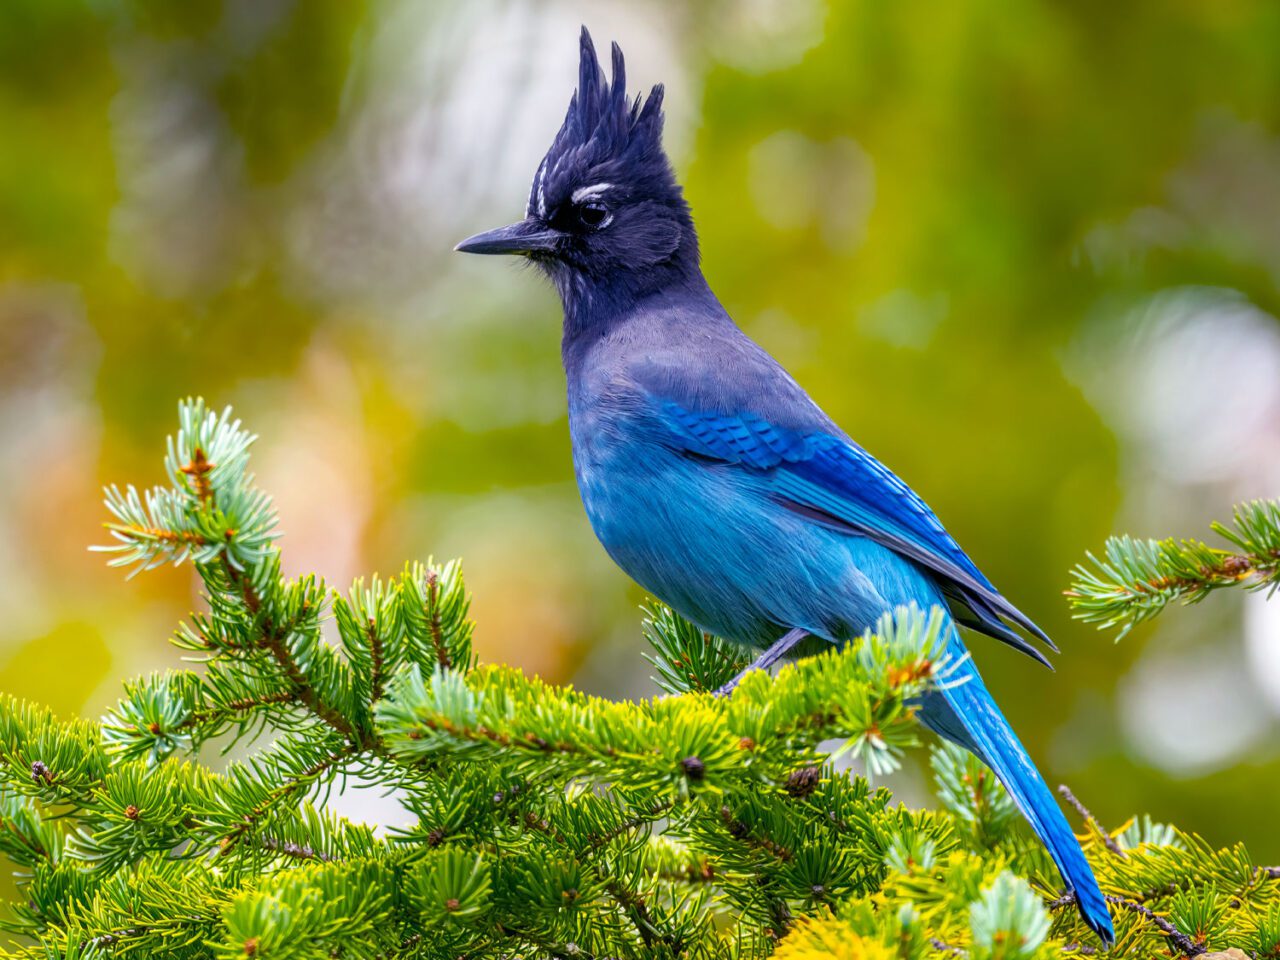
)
(965, 713)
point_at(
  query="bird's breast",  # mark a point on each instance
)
(705, 537)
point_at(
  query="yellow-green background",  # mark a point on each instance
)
(1026, 252)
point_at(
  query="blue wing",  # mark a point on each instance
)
(833, 481)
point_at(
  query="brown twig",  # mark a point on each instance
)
(235, 706)
(198, 469)
(743, 833)
(114, 937)
(633, 905)
(285, 790)
(1179, 939)
(1092, 821)
(273, 640)
(305, 691)
(376, 658)
(294, 850)
(1066, 900)
(598, 840)
(435, 623)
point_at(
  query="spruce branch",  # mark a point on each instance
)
(688, 659)
(861, 693)
(1186, 946)
(1137, 579)
(544, 822)
(211, 511)
(971, 792)
(1091, 821)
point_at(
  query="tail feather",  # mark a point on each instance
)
(965, 713)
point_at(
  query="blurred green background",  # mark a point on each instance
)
(1027, 252)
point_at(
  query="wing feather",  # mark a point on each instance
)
(833, 481)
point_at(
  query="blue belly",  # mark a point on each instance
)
(710, 541)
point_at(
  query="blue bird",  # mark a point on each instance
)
(707, 472)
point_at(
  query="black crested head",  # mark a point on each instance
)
(605, 213)
(606, 178)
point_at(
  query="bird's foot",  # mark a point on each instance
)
(729, 687)
(776, 652)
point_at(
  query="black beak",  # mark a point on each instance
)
(525, 237)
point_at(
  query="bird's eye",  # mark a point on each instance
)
(593, 215)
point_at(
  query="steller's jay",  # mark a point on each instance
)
(706, 471)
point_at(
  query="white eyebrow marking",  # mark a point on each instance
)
(584, 193)
(538, 179)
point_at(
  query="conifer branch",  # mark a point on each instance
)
(298, 782)
(546, 822)
(303, 689)
(294, 850)
(235, 710)
(1186, 946)
(1091, 821)
(1137, 579)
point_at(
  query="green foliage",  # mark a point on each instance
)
(688, 658)
(1136, 579)
(1009, 921)
(1091, 163)
(972, 794)
(548, 822)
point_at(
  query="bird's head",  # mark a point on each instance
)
(604, 208)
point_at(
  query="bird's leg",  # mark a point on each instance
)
(776, 652)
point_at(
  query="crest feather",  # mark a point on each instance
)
(603, 128)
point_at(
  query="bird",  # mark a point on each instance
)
(709, 475)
